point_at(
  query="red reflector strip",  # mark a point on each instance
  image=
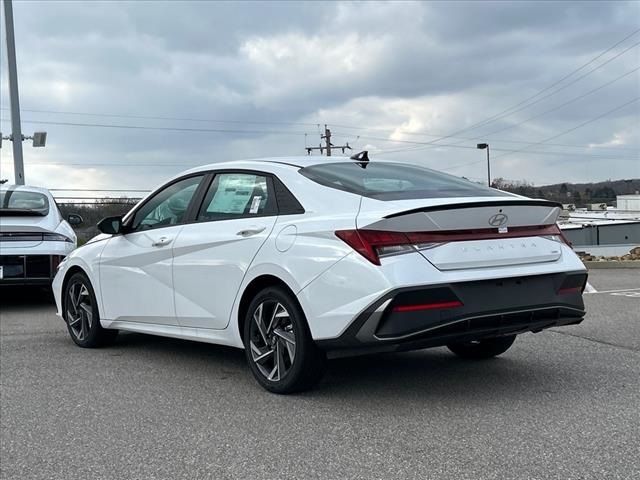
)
(427, 306)
(482, 234)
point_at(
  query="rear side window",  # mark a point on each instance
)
(394, 181)
(235, 195)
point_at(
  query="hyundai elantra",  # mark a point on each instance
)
(296, 260)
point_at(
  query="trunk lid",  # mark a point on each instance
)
(476, 232)
(32, 224)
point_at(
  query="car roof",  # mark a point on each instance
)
(24, 188)
(297, 162)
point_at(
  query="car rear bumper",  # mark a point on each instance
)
(29, 269)
(435, 315)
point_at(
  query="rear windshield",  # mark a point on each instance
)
(394, 181)
(20, 202)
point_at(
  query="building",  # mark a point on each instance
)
(628, 202)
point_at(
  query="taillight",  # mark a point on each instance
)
(564, 237)
(56, 237)
(374, 244)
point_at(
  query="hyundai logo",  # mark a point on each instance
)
(498, 220)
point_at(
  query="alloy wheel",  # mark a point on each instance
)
(79, 310)
(272, 340)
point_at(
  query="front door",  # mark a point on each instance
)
(212, 255)
(135, 268)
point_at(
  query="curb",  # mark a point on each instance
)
(612, 264)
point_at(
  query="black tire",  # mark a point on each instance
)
(282, 330)
(80, 312)
(482, 349)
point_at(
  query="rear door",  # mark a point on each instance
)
(212, 255)
(135, 268)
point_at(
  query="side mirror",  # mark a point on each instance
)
(74, 219)
(111, 225)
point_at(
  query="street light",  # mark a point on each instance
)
(482, 146)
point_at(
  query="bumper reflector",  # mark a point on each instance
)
(427, 306)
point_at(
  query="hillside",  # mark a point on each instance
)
(578, 193)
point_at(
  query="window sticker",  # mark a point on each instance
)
(255, 204)
(233, 194)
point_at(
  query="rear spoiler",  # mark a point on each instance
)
(497, 203)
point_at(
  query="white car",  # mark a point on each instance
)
(34, 237)
(297, 259)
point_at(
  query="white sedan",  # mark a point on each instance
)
(298, 259)
(34, 237)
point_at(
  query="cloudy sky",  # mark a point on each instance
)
(552, 87)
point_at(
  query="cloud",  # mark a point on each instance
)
(399, 72)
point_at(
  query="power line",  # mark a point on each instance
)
(79, 164)
(453, 167)
(511, 109)
(530, 104)
(151, 117)
(276, 132)
(541, 99)
(184, 166)
(619, 107)
(467, 147)
(562, 145)
(561, 105)
(570, 74)
(281, 132)
(175, 129)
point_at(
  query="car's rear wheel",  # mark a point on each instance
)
(481, 349)
(81, 314)
(279, 349)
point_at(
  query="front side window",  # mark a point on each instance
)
(167, 207)
(234, 195)
(394, 181)
(23, 202)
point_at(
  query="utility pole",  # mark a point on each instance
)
(16, 132)
(328, 145)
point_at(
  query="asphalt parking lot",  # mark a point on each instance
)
(559, 404)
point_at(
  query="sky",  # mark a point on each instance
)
(132, 93)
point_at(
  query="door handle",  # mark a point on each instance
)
(161, 242)
(251, 231)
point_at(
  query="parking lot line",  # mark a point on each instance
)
(612, 291)
(590, 288)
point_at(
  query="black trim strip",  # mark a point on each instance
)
(498, 203)
(196, 201)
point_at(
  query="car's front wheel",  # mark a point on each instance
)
(81, 314)
(481, 349)
(279, 349)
